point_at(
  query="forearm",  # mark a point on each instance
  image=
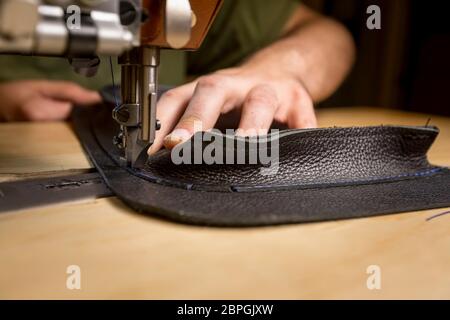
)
(315, 50)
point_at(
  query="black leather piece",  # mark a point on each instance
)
(307, 158)
(324, 174)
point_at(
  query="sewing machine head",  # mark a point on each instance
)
(177, 24)
(133, 30)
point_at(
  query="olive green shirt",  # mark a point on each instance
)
(240, 28)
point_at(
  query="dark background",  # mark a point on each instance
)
(404, 65)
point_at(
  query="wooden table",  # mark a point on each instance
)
(126, 255)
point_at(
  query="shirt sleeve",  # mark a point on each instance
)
(240, 28)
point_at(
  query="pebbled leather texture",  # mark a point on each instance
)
(323, 174)
(307, 158)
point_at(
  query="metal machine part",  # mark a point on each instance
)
(134, 30)
(65, 28)
(178, 23)
(137, 114)
(81, 30)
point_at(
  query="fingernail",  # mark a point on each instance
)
(150, 150)
(311, 125)
(177, 136)
(251, 132)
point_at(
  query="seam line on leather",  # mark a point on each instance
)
(368, 181)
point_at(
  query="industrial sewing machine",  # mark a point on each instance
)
(133, 30)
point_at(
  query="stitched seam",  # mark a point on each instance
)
(387, 132)
(422, 137)
(249, 188)
(358, 137)
(368, 181)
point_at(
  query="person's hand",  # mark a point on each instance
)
(42, 100)
(259, 98)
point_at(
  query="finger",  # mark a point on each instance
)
(258, 111)
(302, 114)
(169, 110)
(209, 98)
(69, 91)
(44, 109)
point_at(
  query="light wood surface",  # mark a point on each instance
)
(33, 149)
(123, 254)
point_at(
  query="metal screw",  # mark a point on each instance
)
(118, 140)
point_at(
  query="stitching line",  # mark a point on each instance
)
(249, 188)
